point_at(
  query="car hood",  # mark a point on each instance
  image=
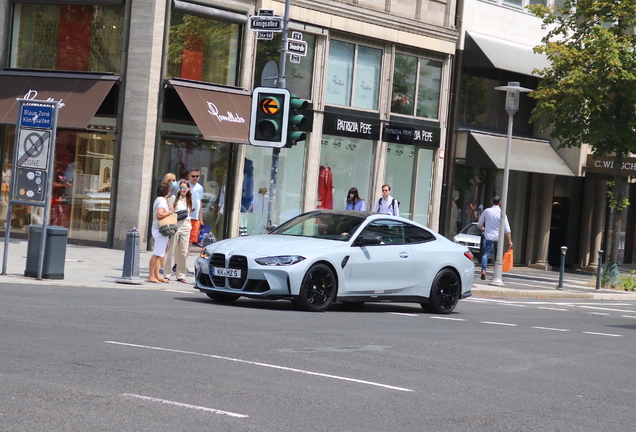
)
(274, 245)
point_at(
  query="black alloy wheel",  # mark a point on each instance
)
(223, 298)
(444, 293)
(317, 290)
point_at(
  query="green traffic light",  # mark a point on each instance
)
(296, 136)
(268, 128)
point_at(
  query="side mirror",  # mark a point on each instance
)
(368, 240)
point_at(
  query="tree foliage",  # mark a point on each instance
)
(588, 95)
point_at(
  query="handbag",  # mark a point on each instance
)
(181, 214)
(168, 225)
(507, 261)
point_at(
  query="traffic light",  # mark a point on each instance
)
(269, 117)
(296, 119)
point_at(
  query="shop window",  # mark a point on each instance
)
(416, 86)
(81, 189)
(67, 37)
(203, 49)
(256, 213)
(299, 75)
(344, 163)
(353, 75)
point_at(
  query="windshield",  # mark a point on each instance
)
(472, 229)
(330, 226)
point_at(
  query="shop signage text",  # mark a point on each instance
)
(423, 135)
(230, 117)
(33, 94)
(605, 165)
(341, 124)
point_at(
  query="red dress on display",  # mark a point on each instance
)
(325, 188)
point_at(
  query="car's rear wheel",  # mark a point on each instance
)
(444, 293)
(317, 290)
(223, 298)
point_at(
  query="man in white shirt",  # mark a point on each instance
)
(489, 224)
(387, 204)
(196, 217)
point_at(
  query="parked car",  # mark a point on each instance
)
(322, 256)
(470, 237)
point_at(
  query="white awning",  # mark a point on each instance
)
(486, 51)
(529, 155)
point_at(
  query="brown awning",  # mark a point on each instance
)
(80, 95)
(221, 113)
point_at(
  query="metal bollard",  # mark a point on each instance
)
(564, 250)
(598, 270)
(130, 272)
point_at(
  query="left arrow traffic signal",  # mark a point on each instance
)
(269, 117)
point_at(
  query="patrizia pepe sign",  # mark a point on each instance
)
(428, 136)
(353, 126)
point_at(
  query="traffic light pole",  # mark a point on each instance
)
(281, 83)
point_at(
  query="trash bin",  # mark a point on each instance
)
(54, 252)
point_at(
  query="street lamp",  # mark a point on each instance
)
(512, 106)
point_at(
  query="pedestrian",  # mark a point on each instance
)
(160, 210)
(196, 217)
(171, 180)
(354, 202)
(489, 223)
(178, 243)
(387, 204)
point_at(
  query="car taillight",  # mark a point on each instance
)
(468, 255)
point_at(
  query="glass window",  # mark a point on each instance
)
(256, 213)
(392, 232)
(67, 37)
(345, 61)
(299, 75)
(202, 49)
(413, 234)
(327, 226)
(412, 73)
(400, 164)
(344, 163)
(366, 90)
(81, 189)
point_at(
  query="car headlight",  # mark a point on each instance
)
(204, 254)
(284, 260)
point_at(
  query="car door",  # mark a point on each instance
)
(384, 268)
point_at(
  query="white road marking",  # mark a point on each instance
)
(549, 328)
(498, 323)
(263, 364)
(603, 334)
(180, 292)
(598, 313)
(403, 314)
(607, 309)
(184, 405)
(554, 309)
(448, 318)
(627, 316)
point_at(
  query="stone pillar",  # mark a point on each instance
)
(142, 80)
(543, 238)
(600, 191)
(586, 223)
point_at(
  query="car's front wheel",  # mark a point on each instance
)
(444, 293)
(223, 298)
(317, 290)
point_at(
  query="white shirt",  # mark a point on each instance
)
(490, 219)
(197, 196)
(160, 202)
(384, 206)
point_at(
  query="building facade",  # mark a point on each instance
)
(151, 87)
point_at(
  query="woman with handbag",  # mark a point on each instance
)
(163, 212)
(179, 243)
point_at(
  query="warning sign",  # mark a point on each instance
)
(33, 149)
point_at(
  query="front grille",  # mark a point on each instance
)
(236, 262)
(217, 260)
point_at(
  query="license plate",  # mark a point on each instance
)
(225, 272)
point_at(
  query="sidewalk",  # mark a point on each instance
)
(88, 266)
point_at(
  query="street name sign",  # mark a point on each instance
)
(272, 24)
(36, 116)
(297, 47)
(265, 35)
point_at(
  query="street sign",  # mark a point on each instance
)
(297, 35)
(297, 47)
(266, 12)
(294, 58)
(265, 35)
(33, 149)
(272, 24)
(36, 116)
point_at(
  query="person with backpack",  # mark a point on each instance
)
(387, 204)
